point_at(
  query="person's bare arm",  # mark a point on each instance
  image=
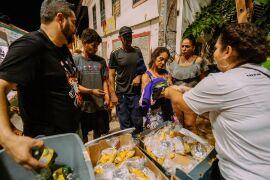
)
(96, 92)
(179, 104)
(137, 80)
(145, 80)
(112, 75)
(106, 91)
(176, 98)
(18, 147)
(169, 79)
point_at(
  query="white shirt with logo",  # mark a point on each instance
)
(239, 104)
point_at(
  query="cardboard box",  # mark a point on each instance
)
(95, 152)
(195, 172)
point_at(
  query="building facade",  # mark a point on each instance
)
(154, 22)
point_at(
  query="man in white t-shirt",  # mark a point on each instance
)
(237, 101)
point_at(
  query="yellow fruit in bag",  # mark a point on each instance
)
(130, 154)
(138, 173)
(160, 160)
(99, 171)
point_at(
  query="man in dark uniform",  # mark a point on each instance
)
(123, 65)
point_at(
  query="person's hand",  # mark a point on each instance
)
(181, 88)
(15, 109)
(136, 81)
(98, 92)
(114, 99)
(158, 90)
(106, 100)
(17, 131)
(19, 148)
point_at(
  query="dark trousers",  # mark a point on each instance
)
(97, 121)
(129, 112)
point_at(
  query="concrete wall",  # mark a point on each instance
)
(148, 17)
(187, 11)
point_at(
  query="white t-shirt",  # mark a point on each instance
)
(239, 105)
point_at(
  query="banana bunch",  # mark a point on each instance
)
(138, 173)
(152, 155)
(107, 156)
(164, 135)
(124, 155)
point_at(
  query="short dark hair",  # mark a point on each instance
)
(50, 8)
(156, 53)
(90, 35)
(191, 38)
(249, 42)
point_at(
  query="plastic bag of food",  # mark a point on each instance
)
(198, 151)
(189, 140)
(135, 161)
(113, 142)
(107, 156)
(125, 152)
(104, 171)
(178, 145)
(121, 173)
(142, 174)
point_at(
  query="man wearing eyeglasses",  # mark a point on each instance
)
(125, 64)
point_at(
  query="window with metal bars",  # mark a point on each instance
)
(102, 11)
(136, 3)
(116, 7)
(94, 17)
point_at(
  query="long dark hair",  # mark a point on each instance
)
(249, 42)
(156, 53)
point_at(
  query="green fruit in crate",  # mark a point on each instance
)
(45, 155)
(63, 173)
(44, 174)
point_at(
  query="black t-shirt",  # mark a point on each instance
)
(125, 64)
(44, 93)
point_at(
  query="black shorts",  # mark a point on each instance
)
(97, 121)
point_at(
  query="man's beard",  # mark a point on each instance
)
(68, 35)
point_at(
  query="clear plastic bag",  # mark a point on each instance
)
(113, 142)
(107, 156)
(134, 162)
(125, 152)
(121, 173)
(178, 145)
(143, 173)
(198, 151)
(104, 171)
(189, 140)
